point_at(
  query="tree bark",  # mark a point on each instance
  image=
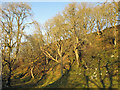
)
(76, 51)
(110, 77)
(100, 76)
(9, 76)
(77, 56)
(61, 66)
(60, 54)
(32, 73)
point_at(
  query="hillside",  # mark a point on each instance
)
(74, 77)
(69, 50)
(100, 57)
(103, 46)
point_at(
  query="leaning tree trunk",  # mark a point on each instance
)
(32, 72)
(76, 51)
(59, 49)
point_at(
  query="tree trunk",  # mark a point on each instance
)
(9, 77)
(77, 56)
(60, 54)
(100, 76)
(61, 66)
(110, 77)
(10, 68)
(46, 60)
(76, 51)
(32, 72)
(115, 41)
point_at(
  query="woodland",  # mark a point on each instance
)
(79, 48)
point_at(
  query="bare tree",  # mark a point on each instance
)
(113, 14)
(56, 33)
(77, 18)
(13, 24)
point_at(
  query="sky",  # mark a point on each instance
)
(55, 0)
(43, 10)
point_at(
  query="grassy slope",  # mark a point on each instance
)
(72, 78)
